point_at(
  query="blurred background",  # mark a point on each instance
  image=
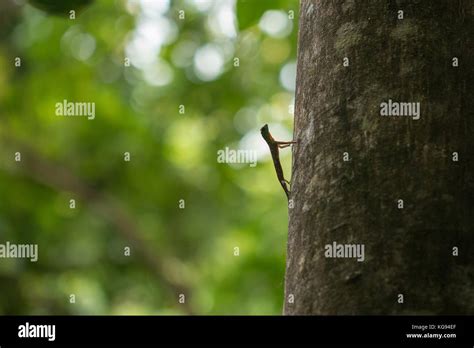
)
(173, 82)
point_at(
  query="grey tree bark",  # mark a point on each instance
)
(390, 183)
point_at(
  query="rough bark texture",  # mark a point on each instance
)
(408, 251)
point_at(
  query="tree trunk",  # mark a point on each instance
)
(391, 184)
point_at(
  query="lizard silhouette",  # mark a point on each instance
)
(275, 147)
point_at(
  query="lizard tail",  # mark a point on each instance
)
(285, 188)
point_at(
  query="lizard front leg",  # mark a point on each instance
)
(283, 144)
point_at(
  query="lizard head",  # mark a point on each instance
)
(266, 133)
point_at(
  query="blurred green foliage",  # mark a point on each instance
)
(174, 62)
(60, 7)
